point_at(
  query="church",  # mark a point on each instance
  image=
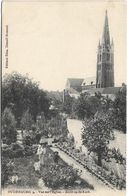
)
(104, 80)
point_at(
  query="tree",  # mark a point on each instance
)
(8, 126)
(21, 93)
(105, 104)
(119, 110)
(67, 105)
(97, 134)
(87, 106)
(41, 124)
(56, 98)
(26, 121)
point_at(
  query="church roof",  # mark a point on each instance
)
(87, 81)
(75, 82)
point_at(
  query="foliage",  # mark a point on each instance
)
(113, 167)
(56, 176)
(87, 106)
(13, 150)
(32, 138)
(119, 110)
(41, 123)
(96, 135)
(24, 168)
(118, 156)
(56, 98)
(8, 126)
(21, 93)
(38, 137)
(27, 140)
(57, 126)
(7, 169)
(28, 150)
(68, 104)
(60, 175)
(28, 178)
(26, 121)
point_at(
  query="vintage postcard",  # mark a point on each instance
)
(64, 98)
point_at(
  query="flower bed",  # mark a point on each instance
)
(61, 175)
(103, 173)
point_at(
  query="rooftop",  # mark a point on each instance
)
(75, 81)
(108, 90)
(89, 81)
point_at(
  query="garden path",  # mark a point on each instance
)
(86, 175)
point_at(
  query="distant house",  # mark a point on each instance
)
(74, 83)
(72, 92)
(88, 83)
(109, 91)
(73, 87)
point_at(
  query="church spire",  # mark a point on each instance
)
(105, 59)
(106, 35)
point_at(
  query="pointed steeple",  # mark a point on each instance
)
(105, 59)
(106, 35)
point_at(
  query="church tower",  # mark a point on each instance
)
(105, 59)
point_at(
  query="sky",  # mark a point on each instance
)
(53, 41)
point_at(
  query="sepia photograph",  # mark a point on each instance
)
(63, 98)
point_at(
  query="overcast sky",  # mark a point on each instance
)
(53, 41)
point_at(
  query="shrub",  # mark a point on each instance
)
(8, 126)
(56, 176)
(26, 121)
(7, 169)
(16, 146)
(8, 152)
(18, 153)
(28, 151)
(13, 150)
(118, 156)
(28, 140)
(34, 148)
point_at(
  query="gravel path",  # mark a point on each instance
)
(86, 175)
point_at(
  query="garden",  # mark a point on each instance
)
(39, 121)
(113, 168)
(54, 175)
